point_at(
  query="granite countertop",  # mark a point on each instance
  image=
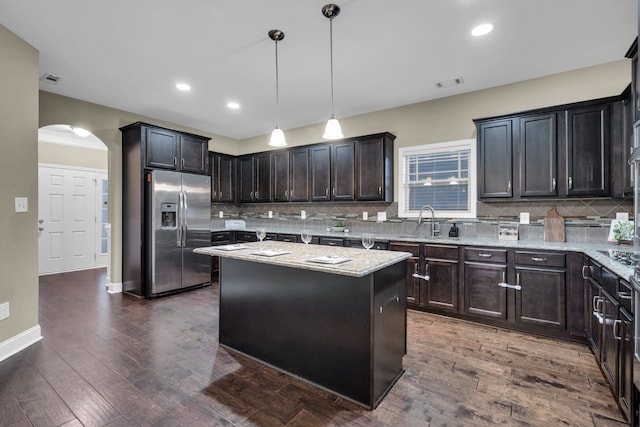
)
(590, 249)
(360, 262)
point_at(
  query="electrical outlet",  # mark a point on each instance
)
(4, 311)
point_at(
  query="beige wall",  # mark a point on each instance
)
(68, 155)
(18, 178)
(104, 123)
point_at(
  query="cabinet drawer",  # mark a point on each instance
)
(609, 281)
(331, 241)
(542, 259)
(625, 295)
(353, 243)
(485, 255)
(221, 236)
(414, 248)
(441, 252)
(292, 238)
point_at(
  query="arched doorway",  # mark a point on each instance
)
(73, 189)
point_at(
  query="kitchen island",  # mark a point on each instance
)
(334, 317)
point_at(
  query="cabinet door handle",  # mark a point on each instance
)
(334, 191)
(585, 268)
(291, 194)
(175, 161)
(616, 329)
(286, 194)
(484, 255)
(221, 194)
(624, 295)
(417, 275)
(326, 192)
(538, 259)
(214, 195)
(553, 184)
(508, 286)
(570, 183)
(251, 195)
(380, 190)
(257, 195)
(509, 185)
(182, 163)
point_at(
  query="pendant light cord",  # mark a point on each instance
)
(331, 60)
(277, 90)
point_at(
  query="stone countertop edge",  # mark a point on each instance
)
(589, 249)
(362, 262)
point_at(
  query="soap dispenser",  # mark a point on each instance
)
(453, 231)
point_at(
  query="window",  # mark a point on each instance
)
(442, 176)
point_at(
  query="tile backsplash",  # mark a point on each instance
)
(586, 220)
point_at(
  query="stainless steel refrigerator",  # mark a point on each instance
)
(178, 214)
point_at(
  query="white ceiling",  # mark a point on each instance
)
(130, 54)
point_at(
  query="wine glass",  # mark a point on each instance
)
(305, 235)
(261, 233)
(368, 240)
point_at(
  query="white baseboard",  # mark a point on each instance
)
(114, 288)
(19, 342)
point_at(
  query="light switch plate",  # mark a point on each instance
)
(22, 204)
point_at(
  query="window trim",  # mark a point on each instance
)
(462, 144)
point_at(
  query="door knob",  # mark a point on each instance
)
(41, 228)
(40, 221)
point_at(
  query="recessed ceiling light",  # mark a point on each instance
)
(482, 29)
(233, 105)
(183, 86)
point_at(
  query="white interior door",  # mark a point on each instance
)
(67, 219)
(102, 213)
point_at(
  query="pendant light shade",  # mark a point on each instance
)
(332, 130)
(277, 136)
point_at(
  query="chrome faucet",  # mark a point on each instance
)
(434, 227)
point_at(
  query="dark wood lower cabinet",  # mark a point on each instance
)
(482, 294)
(540, 300)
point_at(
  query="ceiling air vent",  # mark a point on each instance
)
(451, 82)
(50, 78)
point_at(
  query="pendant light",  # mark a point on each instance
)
(332, 130)
(277, 136)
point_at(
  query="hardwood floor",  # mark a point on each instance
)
(113, 360)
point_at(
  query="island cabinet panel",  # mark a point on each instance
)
(587, 137)
(346, 334)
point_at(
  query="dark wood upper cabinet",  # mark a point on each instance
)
(280, 176)
(536, 151)
(561, 151)
(223, 181)
(254, 178)
(194, 154)
(343, 157)
(374, 168)
(320, 172)
(299, 175)
(163, 148)
(495, 172)
(587, 142)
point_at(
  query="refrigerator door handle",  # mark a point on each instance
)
(179, 222)
(184, 219)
